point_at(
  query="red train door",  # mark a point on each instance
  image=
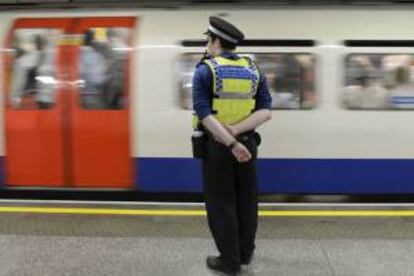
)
(34, 121)
(100, 125)
(66, 106)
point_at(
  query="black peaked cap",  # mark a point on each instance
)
(225, 30)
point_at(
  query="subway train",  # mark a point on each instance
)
(101, 100)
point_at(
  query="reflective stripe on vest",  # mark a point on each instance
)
(235, 84)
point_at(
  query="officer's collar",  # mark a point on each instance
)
(230, 55)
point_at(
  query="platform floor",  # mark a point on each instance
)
(61, 244)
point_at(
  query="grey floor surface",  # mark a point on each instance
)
(36, 244)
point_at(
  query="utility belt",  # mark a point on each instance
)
(200, 138)
(250, 134)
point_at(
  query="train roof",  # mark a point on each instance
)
(183, 4)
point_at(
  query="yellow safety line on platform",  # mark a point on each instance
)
(177, 212)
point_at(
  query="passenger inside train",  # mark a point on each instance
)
(33, 74)
(92, 69)
(379, 81)
(102, 68)
(402, 95)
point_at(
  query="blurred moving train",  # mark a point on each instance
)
(102, 99)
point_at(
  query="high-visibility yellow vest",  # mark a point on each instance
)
(235, 85)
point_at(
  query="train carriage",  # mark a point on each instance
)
(341, 81)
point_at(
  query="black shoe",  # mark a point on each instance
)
(247, 260)
(217, 264)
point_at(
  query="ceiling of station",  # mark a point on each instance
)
(31, 4)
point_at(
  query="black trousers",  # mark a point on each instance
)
(230, 190)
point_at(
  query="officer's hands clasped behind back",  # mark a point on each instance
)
(239, 151)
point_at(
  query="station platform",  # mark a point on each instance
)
(100, 238)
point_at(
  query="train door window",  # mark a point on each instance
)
(290, 77)
(102, 73)
(379, 81)
(32, 72)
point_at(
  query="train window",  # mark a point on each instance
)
(379, 81)
(103, 64)
(290, 76)
(32, 73)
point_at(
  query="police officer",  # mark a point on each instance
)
(231, 99)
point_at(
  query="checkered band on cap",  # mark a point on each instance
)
(222, 34)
